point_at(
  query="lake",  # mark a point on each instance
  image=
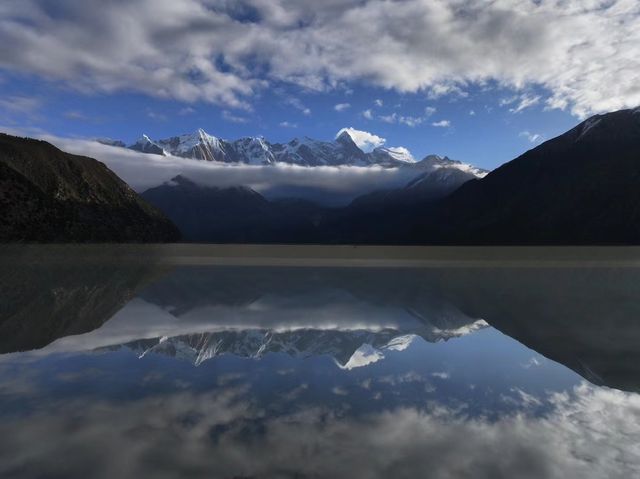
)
(340, 362)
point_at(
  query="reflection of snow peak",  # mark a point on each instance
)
(349, 348)
(461, 331)
(363, 356)
(367, 354)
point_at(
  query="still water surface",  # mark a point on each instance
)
(148, 362)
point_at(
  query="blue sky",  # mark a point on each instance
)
(497, 77)
(480, 130)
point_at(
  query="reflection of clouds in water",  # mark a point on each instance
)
(592, 433)
(533, 362)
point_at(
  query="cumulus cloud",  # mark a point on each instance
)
(366, 141)
(342, 106)
(531, 137)
(228, 116)
(585, 54)
(297, 104)
(20, 104)
(441, 124)
(402, 119)
(368, 114)
(520, 102)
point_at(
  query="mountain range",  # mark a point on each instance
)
(305, 151)
(578, 188)
(584, 318)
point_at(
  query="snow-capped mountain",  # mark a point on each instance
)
(436, 162)
(442, 174)
(390, 156)
(147, 145)
(258, 151)
(303, 151)
(309, 152)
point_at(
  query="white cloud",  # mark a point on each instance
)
(524, 102)
(531, 137)
(366, 141)
(75, 115)
(288, 124)
(228, 116)
(472, 112)
(442, 89)
(441, 124)
(298, 105)
(20, 104)
(402, 119)
(368, 114)
(342, 106)
(198, 50)
(378, 102)
(430, 110)
(186, 111)
(589, 433)
(154, 115)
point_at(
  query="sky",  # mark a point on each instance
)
(480, 82)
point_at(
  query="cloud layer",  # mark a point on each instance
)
(585, 53)
(328, 184)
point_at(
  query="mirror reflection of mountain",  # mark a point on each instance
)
(354, 316)
(583, 317)
(43, 301)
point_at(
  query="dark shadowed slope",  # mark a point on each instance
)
(47, 294)
(48, 195)
(582, 187)
(234, 214)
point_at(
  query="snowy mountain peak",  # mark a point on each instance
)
(436, 162)
(398, 153)
(344, 136)
(145, 144)
(344, 150)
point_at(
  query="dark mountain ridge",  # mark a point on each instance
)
(581, 187)
(578, 188)
(47, 195)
